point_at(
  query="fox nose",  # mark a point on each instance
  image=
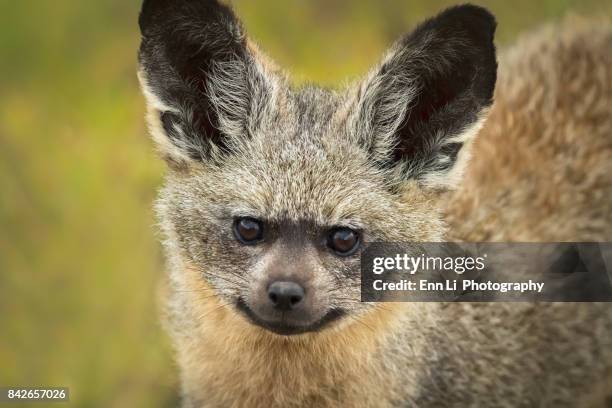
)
(285, 295)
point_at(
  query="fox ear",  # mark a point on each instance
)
(201, 80)
(418, 111)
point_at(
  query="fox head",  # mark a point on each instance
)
(273, 191)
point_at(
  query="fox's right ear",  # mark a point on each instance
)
(203, 84)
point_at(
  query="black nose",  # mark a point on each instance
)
(285, 295)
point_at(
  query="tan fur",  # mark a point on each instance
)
(543, 160)
(303, 371)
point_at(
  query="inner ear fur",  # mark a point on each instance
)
(420, 108)
(199, 76)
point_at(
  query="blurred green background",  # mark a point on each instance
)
(79, 258)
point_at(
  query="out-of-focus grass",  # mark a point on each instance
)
(79, 261)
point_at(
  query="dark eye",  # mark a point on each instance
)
(343, 241)
(247, 230)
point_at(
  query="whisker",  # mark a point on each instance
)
(218, 307)
(224, 278)
(238, 276)
(209, 296)
(357, 320)
(194, 290)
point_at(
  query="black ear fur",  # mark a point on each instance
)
(182, 40)
(449, 68)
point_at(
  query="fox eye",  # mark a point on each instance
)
(343, 241)
(248, 230)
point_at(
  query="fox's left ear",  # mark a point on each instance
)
(418, 111)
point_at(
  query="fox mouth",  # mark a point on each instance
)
(287, 329)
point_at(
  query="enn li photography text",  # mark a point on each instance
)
(409, 265)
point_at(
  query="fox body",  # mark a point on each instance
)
(272, 191)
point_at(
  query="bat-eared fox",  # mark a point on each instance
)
(273, 191)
